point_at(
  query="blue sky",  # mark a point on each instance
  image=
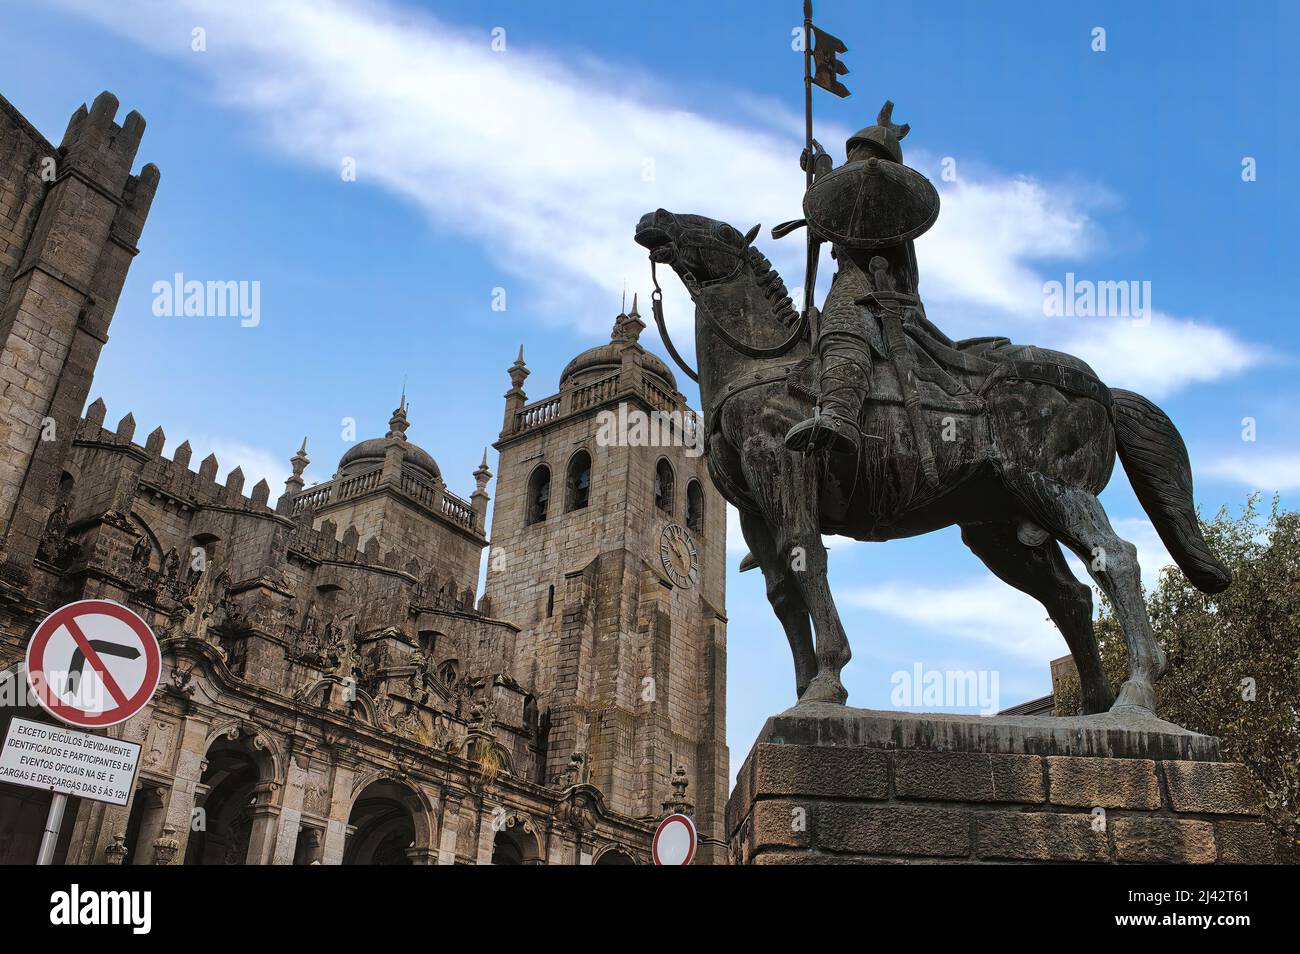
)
(526, 169)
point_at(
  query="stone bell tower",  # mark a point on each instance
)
(608, 551)
(70, 218)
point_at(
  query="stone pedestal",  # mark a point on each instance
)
(828, 784)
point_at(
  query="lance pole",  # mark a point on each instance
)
(810, 267)
(807, 91)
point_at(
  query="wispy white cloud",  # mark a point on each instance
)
(255, 462)
(1266, 472)
(548, 164)
(1161, 356)
(989, 612)
(984, 611)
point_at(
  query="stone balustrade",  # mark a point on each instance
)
(606, 390)
(429, 495)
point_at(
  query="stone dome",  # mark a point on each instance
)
(607, 357)
(369, 454)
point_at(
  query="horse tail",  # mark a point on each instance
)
(1155, 460)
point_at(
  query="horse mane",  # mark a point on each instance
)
(773, 288)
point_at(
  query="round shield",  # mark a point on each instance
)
(871, 203)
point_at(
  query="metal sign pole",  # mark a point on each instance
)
(53, 822)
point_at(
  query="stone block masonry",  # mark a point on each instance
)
(69, 222)
(830, 785)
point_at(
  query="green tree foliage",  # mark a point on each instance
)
(1234, 657)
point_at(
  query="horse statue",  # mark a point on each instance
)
(1026, 440)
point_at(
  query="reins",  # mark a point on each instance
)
(730, 340)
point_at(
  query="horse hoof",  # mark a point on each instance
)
(1134, 695)
(825, 689)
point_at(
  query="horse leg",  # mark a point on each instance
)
(803, 545)
(1076, 518)
(1041, 571)
(787, 494)
(784, 595)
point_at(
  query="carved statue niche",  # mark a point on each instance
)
(140, 552)
(347, 659)
(573, 773)
(170, 567)
(54, 547)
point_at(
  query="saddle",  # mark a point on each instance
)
(956, 376)
(924, 371)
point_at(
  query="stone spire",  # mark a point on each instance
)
(518, 371)
(678, 804)
(479, 498)
(515, 397)
(628, 325)
(398, 423)
(293, 484)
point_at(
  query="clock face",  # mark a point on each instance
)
(679, 555)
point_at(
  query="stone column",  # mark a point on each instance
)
(486, 834)
(295, 783)
(152, 800)
(555, 844)
(336, 832)
(191, 759)
(96, 827)
(261, 840)
(449, 829)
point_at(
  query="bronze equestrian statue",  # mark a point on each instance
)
(878, 426)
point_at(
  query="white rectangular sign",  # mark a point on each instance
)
(56, 759)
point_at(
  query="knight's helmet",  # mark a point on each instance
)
(880, 140)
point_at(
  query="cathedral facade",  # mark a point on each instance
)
(335, 689)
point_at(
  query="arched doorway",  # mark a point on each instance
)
(615, 856)
(516, 846)
(389, 825)
(224, 824)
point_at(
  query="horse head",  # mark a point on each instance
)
(739, 296)
(702, 251)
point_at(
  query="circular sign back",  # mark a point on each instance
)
(93, 663)
(674, 842)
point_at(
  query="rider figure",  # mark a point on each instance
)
(845, 340)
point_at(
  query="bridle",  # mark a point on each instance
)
(695, 287)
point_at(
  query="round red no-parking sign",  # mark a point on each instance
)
(93, 663)
(674, 841)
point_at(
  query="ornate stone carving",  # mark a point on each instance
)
(166, 846)
(115, 851)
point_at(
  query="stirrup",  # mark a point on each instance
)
(824, 430)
